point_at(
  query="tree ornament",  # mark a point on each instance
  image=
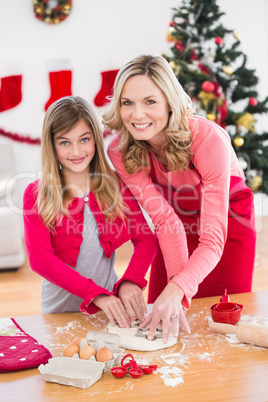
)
(237, 35)
(208, 86)
(179, 45)
(206, 98)
(255, 183)
(239, 141)
(227, 70)
(169, 36)
(172, 23)
(246, 121)
(218, 40)
(211, 116)
(253, 101)
(52, 11)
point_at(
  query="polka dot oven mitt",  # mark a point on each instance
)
(18, 350)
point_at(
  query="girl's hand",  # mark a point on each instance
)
(113, 308)
(167, 309)
(132, 298)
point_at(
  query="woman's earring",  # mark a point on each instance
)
(60, 167)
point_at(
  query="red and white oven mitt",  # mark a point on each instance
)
(18, 350)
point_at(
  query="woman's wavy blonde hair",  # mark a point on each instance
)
(53, 194)
(177, 148)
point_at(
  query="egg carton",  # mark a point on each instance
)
(73, 372)
(99, 340)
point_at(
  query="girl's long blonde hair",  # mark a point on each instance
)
(61, 117)
(177, 148)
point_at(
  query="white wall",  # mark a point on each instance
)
(98, 36)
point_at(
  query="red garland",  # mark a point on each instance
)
(20, 138)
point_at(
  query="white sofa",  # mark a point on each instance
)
(12, 254)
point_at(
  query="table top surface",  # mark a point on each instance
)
(203, 366)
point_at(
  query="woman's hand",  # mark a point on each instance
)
(113, 308)
(167, 309)
(132, 298)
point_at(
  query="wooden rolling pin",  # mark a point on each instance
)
(245, 332)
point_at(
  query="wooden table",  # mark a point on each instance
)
(203, 366)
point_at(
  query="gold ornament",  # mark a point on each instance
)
(206, 98)
(211, 116)
(246, 121)
(169, 36)
(227, 70)
(237, 35)
(255, 182)
(239, 142)
(175, 67)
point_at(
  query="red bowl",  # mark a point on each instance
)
(226, 316)
(226, 306)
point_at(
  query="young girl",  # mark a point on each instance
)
(184, 172)
(75, 217)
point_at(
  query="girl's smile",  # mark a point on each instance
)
(75, 151)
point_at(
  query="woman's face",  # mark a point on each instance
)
(75, 149)
(144, 109)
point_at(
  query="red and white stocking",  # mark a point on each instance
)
(10, 92)
(108, 78)
(60, 85)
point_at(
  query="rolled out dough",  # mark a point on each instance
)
(132, 342)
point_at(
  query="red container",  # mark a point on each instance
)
(222, 314)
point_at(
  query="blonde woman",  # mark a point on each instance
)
(75, 217)
(184, 172)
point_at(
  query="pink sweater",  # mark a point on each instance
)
(215, 162)
(53, 254)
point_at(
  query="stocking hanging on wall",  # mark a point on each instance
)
(108, 78)
(60, 85)
(10, 92)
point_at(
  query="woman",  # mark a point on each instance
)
(184, 172)
(75, 217)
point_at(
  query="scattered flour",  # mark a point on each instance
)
(172, 376)
(206, 356)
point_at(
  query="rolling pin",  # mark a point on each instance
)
(245, 332)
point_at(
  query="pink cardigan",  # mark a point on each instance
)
(50, 252)
(215, 162)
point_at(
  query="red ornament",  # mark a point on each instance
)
(218, 40)
(253, 101)
(208, 86)
(179, 45)
(172, 23)
(204, 69)
(194, 55)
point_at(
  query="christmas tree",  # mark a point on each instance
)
(213, 71)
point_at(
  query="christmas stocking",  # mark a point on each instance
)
(108, 78)
(60, 85)
(10, 92)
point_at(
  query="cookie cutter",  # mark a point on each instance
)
(143, 332)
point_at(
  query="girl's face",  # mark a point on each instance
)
(144, 109)
(75, 149)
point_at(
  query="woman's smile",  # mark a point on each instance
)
(144, 109)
